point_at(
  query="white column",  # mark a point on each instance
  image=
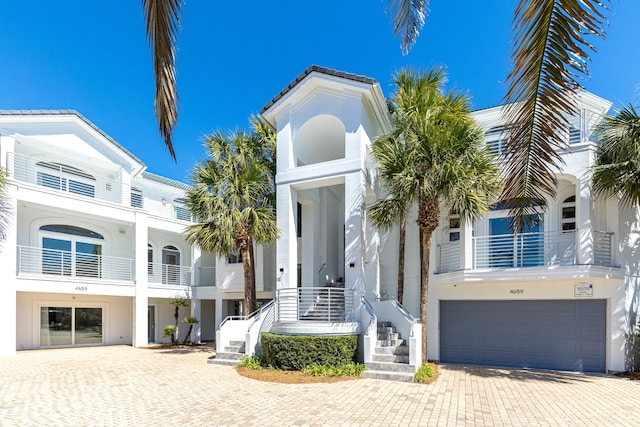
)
(141, 300)
(8, 249)
(286, 246)
(584, 214)
(466, 245)
(197, 313)
(354, 232)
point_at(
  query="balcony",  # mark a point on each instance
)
(69, 180)
(315, 311)
(57, 263)
(167, 274)
(539, 249)
(207, 276)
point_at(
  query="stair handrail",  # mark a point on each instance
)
(403, 310)
(369, 310)
(247, 317)
(255, 315)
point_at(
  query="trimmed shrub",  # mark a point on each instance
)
(294, 352)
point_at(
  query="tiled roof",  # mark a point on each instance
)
(69, 113)
(317, 69)
(167, 181)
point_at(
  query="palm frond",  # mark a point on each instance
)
(162, 24)
(616, 172)
(408, 19)
(550, 54)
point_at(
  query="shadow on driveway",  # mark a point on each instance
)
(525, 374)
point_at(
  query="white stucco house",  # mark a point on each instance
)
(95, 235)
(95, 248)
(563, 295)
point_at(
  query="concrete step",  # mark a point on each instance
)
(385, 329)
(230, 355)
(385, 336)
(402, 349)
(390, 343)
(388, 375)
(234, 349)
(390, 367)
(234, 343)
(391, 358)
(229, 359)
(385, 324)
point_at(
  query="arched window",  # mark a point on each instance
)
(68, 250)
(171, 265)
(568, 212)
(150, 259)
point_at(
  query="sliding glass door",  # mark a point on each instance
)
(66, 326)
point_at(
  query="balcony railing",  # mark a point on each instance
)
(54, 262)
(207, 276)
(540, 249)
(314, 304)
(70, 180)
(167, 274)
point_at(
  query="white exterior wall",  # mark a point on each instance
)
(116, 316)
(68, 139)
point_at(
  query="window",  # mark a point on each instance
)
(149, 259)
(68, 250)
(136, 197)
(454, 228)
(496, 139)
(523, 249)
(65, 178)
(235, 258)
(568, 209)
(180, 211)
(70, 326)
(298, 220)
(171, 265)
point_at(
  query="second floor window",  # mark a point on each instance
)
(65, 178)
(569, 213)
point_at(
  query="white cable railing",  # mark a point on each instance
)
(449, 256)
(71, 180)
(324, 304)
(602, 248)
(64, 178)
(167, 274)
(54, 262)
(525, 250)
(207, 276)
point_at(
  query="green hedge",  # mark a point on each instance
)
(294, 352)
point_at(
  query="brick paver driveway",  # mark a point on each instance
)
(125, 386)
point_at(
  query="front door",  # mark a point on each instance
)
(151, 322)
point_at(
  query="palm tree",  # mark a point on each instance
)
(392, 159)
(232, 196)
(549, 55)
(616, 172)
(447, 167)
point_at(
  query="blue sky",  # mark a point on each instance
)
(233, 57)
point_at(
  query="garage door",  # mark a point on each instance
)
(563, 335)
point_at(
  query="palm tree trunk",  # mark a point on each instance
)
(401, 244)
(249, 278)
(425, 243)
(428, 220)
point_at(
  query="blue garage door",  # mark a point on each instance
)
(564, 335)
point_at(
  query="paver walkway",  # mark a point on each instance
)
(124, 386)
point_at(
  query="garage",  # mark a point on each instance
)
(568, 335)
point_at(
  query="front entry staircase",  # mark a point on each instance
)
(390, 361)
(232, 354)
